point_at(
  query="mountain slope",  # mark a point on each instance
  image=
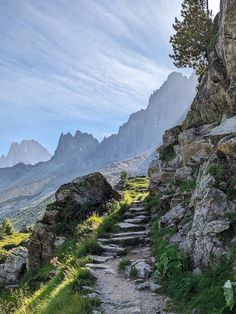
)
(81, 154)
(29, 152)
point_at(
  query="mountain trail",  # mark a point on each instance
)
(119, 292)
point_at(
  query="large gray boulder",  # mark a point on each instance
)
(75, 202)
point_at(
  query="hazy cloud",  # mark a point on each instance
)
(79, 64)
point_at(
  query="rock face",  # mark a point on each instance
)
(14, 266)
(217, 90)
(28, 152)
(75, 201)
(195, 174)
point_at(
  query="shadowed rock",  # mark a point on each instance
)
(75, 202)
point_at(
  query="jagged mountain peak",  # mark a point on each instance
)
(28, 152)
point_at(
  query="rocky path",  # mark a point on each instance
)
(119, 293)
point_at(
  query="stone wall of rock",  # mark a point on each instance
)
(75, 201)
(217, 89)
(195, 174)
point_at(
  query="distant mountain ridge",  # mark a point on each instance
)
(140, 134)
(29, 152)
(81, 154)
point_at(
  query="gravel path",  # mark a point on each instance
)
(118, 294)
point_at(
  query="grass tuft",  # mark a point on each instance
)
(123, 263)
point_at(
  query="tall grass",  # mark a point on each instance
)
(62, 294)
(186, 289)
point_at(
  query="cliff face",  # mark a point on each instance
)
(195, 174)
(144, 129)
(217, 90)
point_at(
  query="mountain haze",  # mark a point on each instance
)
(82, 153)
(29, 152)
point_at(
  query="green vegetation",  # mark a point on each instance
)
(170, 262)
(8, 242)
(188, 185)
(229, 294)
(231, 191)
(40, 293)
(123, 263)
(188, 290)
(124, 177)
(152, 202)
(167, 154)
(6, 227)
(218, 170)
(195, 36)
(136, 188)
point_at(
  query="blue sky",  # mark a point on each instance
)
(80, 64)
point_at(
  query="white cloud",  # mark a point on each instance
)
(88, 61)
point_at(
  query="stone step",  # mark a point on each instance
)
(100, 259)
(137, 209)
(125, 226)
(134, 214)
(109, 254)
(126, 240)
(113, 249)
(132, 233)
(137, 220)
(96, 266)
(137, 203)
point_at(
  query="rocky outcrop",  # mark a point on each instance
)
(217, 90)
(195, 175)
(75, 201)
(14, 266)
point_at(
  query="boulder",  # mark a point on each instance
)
(14, 266)
(75, 201)
(59, 241)
(138, 269)
(172, 217)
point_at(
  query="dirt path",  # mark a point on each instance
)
(118, 294)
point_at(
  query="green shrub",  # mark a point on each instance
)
(108, 226)
(229, 294)
(188, 185)
(151, 202)
(219, 170)
(167, 154)
(123, 263)
(7, 227)
(89, 246)
(202, 291)
(3, 255)
(170, 262)
(124, 175)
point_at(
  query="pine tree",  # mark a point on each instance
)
(193, 36)
(7, 227)
(124, 176)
